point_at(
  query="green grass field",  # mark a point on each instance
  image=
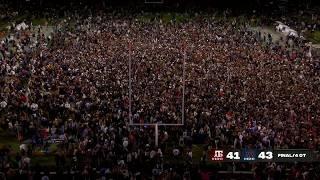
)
(314, 37)
(9, 141)
(47, 160)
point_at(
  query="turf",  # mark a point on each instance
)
(39, 21)
(43, 160)
(197, 152)
(315, 37)
(9, 141)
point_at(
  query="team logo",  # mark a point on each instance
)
(217, 155)
(249, 154)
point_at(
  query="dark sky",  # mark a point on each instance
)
(236, 4)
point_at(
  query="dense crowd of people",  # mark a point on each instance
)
(242, 89)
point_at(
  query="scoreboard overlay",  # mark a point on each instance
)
(255, 155)
(289, 155)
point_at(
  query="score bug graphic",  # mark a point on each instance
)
(224, 155)
(233, 156)
(265, 156)
(248, 154)
(217, 155)
(292, 155)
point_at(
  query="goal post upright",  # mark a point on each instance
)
(183, 82)
(130, 84)
(156, 125)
